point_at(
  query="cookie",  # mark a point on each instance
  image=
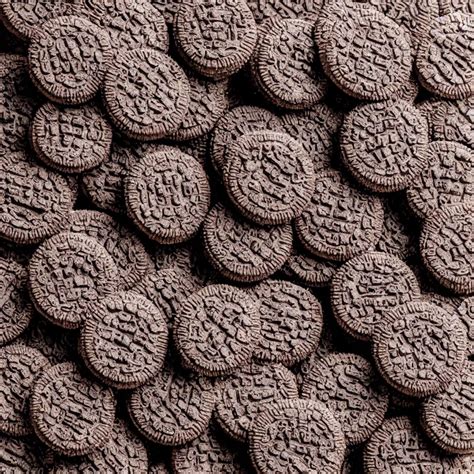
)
(246, 393)
(444, 59)
(465, 311)
(167, 195)
(420, 348)
(215, 38)
(19, 367)
(16, 310)
(451, 6)
(446, 247)
(198, 148)
(242, 251)
(384, 145)
(366, 287)
(279, 9)
(15, 79)
(269, 177)
(68, 57)
(71, 413)
(146, 94)
(216, 330)
(291, 322)
(448, 418)
(124, 342)
(296, 435)
(19, 455)
(285, 66)
(349, 386)
(67, 274)
(71, 140)
(341, 221)
(174, 408)
(448, 179)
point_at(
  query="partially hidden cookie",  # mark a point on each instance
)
(20, 455)
(169, 8)
(272, 9)
(451, 6)
(465, 311)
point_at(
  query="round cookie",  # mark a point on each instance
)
(71, 140)
(68, 58)
(445, 56)
(280, 9)
(269, 177)
(70, 413)
(215, 37)
(67, 274)
(245, 394)
(420, 348)
(19, 367)
(20, 455)
(242, 251)
(349, 386)
(167, 195)
(446, 246)
(291, 322)
(448, 178)
(366, 287)
(296, 434)
(125, 340)
(465, 311)
(16, 310)
(146, 94)
(340, 221)
(384, 145)
(217, 330)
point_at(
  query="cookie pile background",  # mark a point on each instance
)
(237, 236)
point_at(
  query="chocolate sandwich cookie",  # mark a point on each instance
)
(465, 311)
(67, 274)
(451, 6)
(215, 37)
(146, 94)
(447, 179)
(17, 114)
(349, 386)
(281, 9)
(445, 56)
(446, 247)
(167, 195)
(245, 394)
(174, 408)
(296, 435)
(68, 57)
(16, 310)
(420, 348)
(242, 251)
(366, 287)
(198, 148)
(20, 455)
(341, 221)
(19, 367)
(217, 330)
(291, 322)
(384, 145)
(71, 140)
(285, 68)
(269, 177)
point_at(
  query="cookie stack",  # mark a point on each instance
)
(236, 236)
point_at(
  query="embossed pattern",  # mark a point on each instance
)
(271, 9)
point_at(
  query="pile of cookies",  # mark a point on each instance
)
(237, 236)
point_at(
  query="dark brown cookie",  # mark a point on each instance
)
(281, 9)
(291, 322)
(15, 79)
(167, 195)
(465, 311)
(269, 177)
(448, 178)
(445, 56)
(296, 435)
(349, 386)
(71, 414)
(19, 367)
(20, 455)
(366, 287)
(16, 310)
(384, 145)
(68, 57)
(244, 395)
(146, 94)
(67, 274)
(446, 246)
(215, 37)
(198, 148)
(242, 251)
(125, 339)
(420, 348)
(451, 6)
(340, 221)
